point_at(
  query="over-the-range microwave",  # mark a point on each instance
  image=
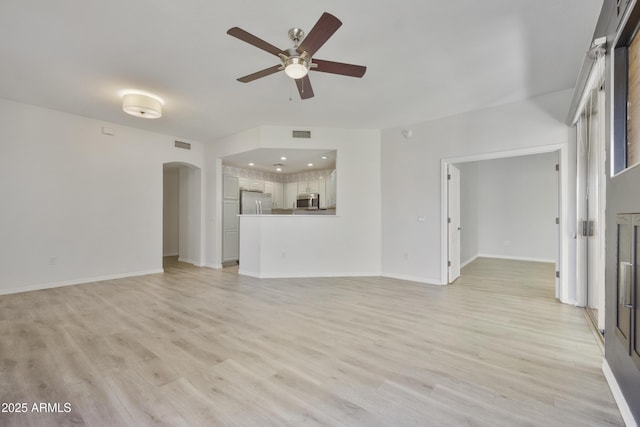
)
(308, 201)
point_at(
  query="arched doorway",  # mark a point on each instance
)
(182, 212)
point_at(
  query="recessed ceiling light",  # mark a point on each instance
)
(283, 158)
(279, 169)
(324, 157)
(309, 164)
(252, 164)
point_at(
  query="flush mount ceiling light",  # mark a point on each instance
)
(141, 104)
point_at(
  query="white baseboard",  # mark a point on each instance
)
(248, 273)
(417, 279)
(516, 258)
(303, 275)
(469, 261)
(171, 254)
(214, 266)
(79, 281)
(623, 406)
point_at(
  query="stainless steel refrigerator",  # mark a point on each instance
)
(255, 203)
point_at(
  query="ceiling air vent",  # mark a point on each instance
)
(301, 134)
(185, 145)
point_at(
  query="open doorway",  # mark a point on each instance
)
(181, 213)
(510, 208)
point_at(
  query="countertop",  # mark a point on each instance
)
(303, 211)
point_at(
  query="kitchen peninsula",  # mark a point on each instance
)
(298, 244)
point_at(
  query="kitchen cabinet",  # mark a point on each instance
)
(277, 195)
(275, 189)
(290, 195)
(268, 187)
(244, 183)
(308, 187)
(230, 234)
(231, 185)
(256, 184)
(330, 190)
(230, 222)
(323, 193)
(628, 285)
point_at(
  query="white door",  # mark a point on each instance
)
(453, 220)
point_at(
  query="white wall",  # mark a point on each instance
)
(237, 143)
(512, 206)
(171, 212)
(411, 174)
(469, 233)
(78, 205)
(348, 244)
(518, 205)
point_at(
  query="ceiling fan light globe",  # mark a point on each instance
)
(296, 67)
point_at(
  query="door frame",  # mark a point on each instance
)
(563, 264)
(582, 261)
(190, 234)
(453, 222)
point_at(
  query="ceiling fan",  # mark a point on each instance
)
(298, 60)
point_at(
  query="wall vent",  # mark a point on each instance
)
(185, 145)
(301, 134)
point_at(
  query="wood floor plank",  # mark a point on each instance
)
(196, 346)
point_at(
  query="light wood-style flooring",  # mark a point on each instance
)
(200, 347)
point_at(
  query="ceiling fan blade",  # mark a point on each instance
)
(339, 68)
(304, 87)
(241, 34)
(261, 73)
(320, 33)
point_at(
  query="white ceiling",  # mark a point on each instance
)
(425, 59)
(296, 160)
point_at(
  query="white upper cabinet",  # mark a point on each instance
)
(308, 187)
(256, 184)
(243, 183)
(230, 184)
(268, 187)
